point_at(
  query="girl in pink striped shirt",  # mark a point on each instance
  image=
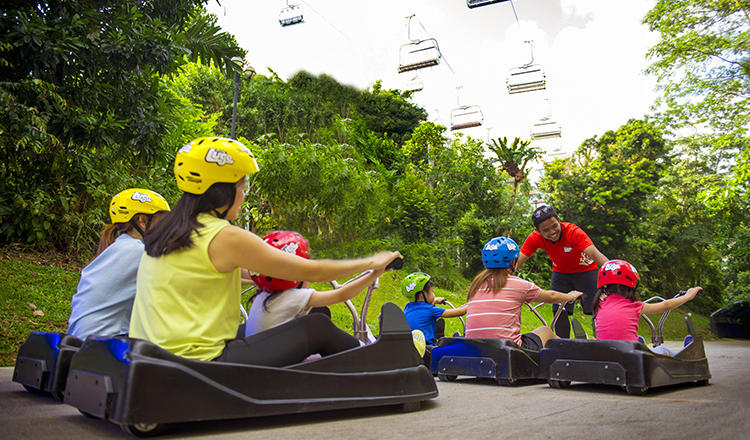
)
(496, 296)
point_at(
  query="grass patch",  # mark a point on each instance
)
(48, 281)
(33, 282)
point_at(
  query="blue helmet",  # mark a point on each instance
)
(499, 253)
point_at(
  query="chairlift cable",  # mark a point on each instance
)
(326, 20)
(441, 53)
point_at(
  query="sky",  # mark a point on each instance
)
(593, 53)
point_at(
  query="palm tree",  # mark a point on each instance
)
(514, 158)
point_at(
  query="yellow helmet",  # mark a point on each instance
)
(209, 160)
(134, 201)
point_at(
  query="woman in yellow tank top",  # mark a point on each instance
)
(188, 294)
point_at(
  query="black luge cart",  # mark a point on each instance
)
(629, 364)
(43, 362)
(499, 359)
(732, 321)
(139, 386)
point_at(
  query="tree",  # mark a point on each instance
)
(604, 186)
(702, 62)
(84, 84)
(514, 157)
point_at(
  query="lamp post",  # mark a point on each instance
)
(248, 72)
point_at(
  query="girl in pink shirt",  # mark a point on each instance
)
(615, 308)
(496, 297)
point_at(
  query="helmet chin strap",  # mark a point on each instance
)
(221, 215)
(137, 228)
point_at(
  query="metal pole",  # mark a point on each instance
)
(236, 95)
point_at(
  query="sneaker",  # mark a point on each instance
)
(419, 343)
(688, 340)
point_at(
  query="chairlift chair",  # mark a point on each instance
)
(527, 78)
(415, 85)
(417, 54)
(291, 14)
(465, 116)
(546, 130)
(477, 3)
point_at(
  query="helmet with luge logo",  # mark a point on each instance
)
(209, 160)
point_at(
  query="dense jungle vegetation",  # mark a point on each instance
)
(93, 101)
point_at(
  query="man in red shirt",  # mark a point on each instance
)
(574, 257)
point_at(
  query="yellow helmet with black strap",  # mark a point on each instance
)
(134, 201)
(209, 160)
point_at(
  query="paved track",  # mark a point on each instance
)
(465, 409)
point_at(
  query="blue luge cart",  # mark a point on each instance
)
(141, 387)
(499, 359)
(43, 362)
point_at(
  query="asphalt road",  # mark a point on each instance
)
(465, 409)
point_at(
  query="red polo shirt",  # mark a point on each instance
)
(566, 253)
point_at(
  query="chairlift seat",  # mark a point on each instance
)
(546, 130)
(466, 117)
(478, 3)
(419, 55)
(415, 85)
(526, 79)
(290, 15)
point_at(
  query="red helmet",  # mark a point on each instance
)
(290, 242)
(618, 272)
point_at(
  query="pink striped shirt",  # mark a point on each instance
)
(498, 315)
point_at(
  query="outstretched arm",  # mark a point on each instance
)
(235, 247)
(670, 304)
(555, 297)
(597, 256)
(347, 291)
(452, 313)
(521, 259)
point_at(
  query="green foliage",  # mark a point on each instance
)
(603, 187)
(322, 191)
(85, 108)
(702, 62)
(514, 157)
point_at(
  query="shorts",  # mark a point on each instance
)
(531, 341)
(582, 281)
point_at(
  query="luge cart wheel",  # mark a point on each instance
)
(142, 429)
(636, 391)
(560, 384)
(447, 377)
(408, 407)
(507, 382)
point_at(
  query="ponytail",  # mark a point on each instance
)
(493, 279)
(109, 234)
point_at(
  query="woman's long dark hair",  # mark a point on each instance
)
(173, 231)
(611, 289)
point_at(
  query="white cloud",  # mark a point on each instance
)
(592, 51)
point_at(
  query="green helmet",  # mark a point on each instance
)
(413, 284)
